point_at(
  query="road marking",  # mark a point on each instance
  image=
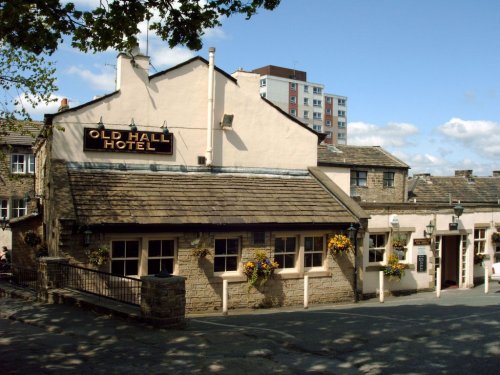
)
(246, 328)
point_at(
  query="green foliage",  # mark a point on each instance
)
(39, 26)
(98, 257)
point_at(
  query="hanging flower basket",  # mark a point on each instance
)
(339, 244)
(259, 270)
(395, 270)
(398, 243)
(495, 237)
(479, 258)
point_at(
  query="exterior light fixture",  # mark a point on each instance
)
(429, 229)
(132, 125)
(458, 210)
(352, 231)
(5, 222)
(100, 125)
(86, 237)
(165, 128)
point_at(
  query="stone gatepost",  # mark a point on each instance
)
(49, 276)
(163, 301)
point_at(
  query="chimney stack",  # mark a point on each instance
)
(64, 105)
(496, 173)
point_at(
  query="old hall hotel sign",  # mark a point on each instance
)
(127, 141)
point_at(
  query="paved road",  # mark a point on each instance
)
(418, 334)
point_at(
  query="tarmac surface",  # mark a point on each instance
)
(458, 333)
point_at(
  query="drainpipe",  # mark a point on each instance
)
(210, 117)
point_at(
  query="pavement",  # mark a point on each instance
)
(415, 334)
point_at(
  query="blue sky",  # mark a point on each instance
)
(422, 77)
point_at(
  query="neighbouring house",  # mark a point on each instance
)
(190, 172)
(18, 205)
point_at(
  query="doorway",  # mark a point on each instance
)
(450, 262)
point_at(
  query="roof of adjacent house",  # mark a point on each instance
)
(25, 136)
(202, 198)
(357, 156)
(431, 189)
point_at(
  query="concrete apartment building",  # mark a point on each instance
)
(308, 101)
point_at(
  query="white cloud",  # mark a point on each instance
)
(167, 57)
(482, 137)
(42, 108)
(102, 81)
(392, 134)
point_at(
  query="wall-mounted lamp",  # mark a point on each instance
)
(164, 127)
(5, 223)
(100, 125)
(132, 125)
(87, 234)
(458, 210)
(352, 232)
(429, 229)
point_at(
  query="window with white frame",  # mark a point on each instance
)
(376, 248)
(317, 90)
(341, 101)
(161, 256)
(293, 99)
(328, 134)
(329, 99)
(293, 86)
(306, 101)
(317, 115)
(314, 249)
(316, 103)
(125, 257)
(306, 88)
(227, 252)
(341, 113)
(328, 123)
(263, 82)
(306, 114)
(317, 127)
(388, 179)
(285, 251)
(328, 111)
(23, 163)
(479, 240)
(341, 136)
(4, 209)
(358, 178)
(341, 124)
(293, 112)
(19, 207)
(400, 244)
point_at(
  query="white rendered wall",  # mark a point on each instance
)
(341, 176)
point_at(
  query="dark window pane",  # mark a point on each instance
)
(154, 248)
(219, 264)
(220, 247)
(153, 266)
(289, 261)
(231, 263)
(168, 248)
(232, 246)
(281, 260)
(317, 259)
(131, 267)
(318, 243)
(279, 245)
(132, 249)
(290, 244)
(168, 265)
(308, 243)
(117, 267)
(308, 260)
(118, 249)
(259, 238)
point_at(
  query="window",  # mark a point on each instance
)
(341, 124)
(316, 103)
(306, 101)
(341, 102)
(293, 86)
(328, 123)
(317, 128)
(388, 179)
(341, 113)
(306, 88)
(4, 208)
(259, 238)
(341, 136)
(328, 111)
(400, 244)
(293, 99)
(161, 256)
(293, 112)
(358, 178)
(306, 114)
(317, 115)
(329, 99)
(125, 257)
(19, 207)
(22, 163)
(313, 251)
(285, 249)
(263, 82)
(328, 134)
(317, 90)
(479, 240)
(376, 248)
(226, 254)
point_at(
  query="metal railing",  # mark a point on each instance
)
(25, 277)
(121, 288)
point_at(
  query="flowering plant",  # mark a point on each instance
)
(200, 252)
(98, 257)
(339, 244)
(259, 270)
(495, 237)
(395, 269)
(478, 258)
(398, 243)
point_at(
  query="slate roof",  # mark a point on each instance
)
(201, 198)
(438, 189)
(26, 137)
(353, 156)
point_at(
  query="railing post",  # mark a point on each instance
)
(49, 276)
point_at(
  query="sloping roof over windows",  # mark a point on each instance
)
(443, 189)
(114, 198)
(357, 156)
(26, 136)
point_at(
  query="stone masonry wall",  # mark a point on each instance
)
(375, 190)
